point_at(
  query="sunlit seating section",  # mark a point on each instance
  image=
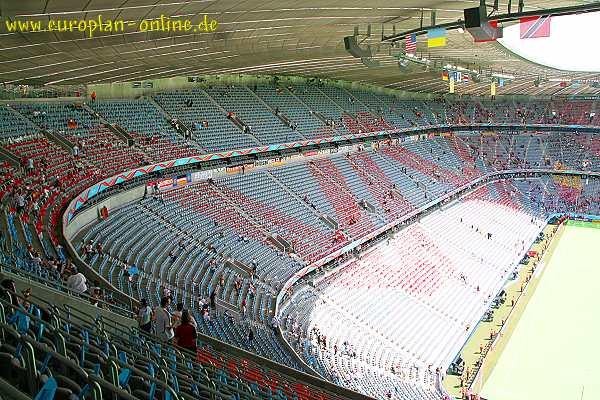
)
(408, 305)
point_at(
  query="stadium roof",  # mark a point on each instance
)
(259, 37)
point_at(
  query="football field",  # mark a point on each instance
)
(554, 350)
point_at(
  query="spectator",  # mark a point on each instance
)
(20, 202)
(177, 315)
(166, 292)
(162, 317)
(213, 300)
(250, 336)
(96, 293)
(77, 282)
(206, 311)
(133, 271)
(275, 324)
(88, 250)
(96, 288)
(144, 316)
(185, 334)
(95, 299)
(8, 292)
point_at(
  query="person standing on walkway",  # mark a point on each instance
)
(162, 319)
(144, 316)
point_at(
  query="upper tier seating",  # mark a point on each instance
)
(95, 142)
(319, 103)
(306, 123)
(207, 122)
(148, 126)
(263, 123)
(13, 126)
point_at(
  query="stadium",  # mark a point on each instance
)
(299, 200)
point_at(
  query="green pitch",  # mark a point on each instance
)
(554, 351)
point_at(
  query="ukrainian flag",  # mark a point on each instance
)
(436, 37)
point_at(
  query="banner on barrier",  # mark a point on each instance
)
(239, 168)
(202, 175)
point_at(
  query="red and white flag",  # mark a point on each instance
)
(410, 44)
(535, 27)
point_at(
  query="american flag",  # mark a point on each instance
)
(410, 44)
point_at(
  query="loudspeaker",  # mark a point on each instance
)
(475, 17)
(477, 24)
(354, 49)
